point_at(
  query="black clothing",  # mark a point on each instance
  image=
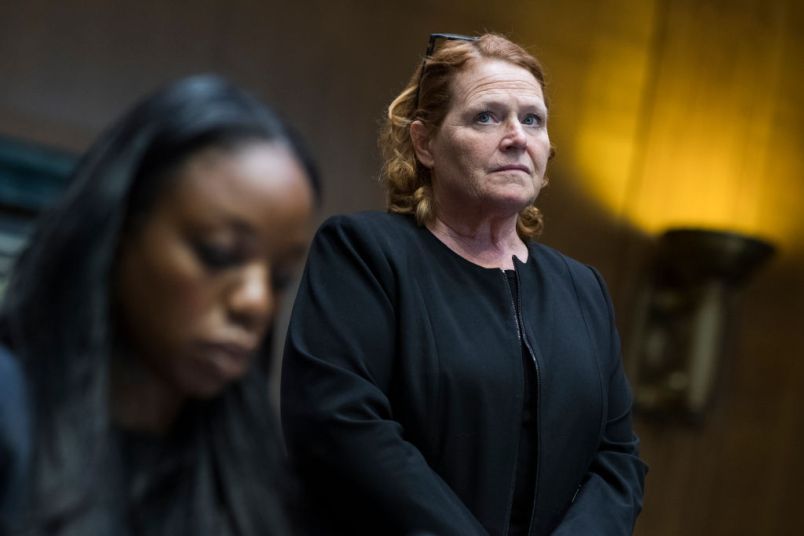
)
(199, 479)
(403, 385)
(171, 483)
(526, 459)
(15, 441)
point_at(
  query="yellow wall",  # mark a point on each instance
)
(686, 111)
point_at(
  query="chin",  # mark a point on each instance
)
(204, 391)
(207, 387)
(211, 372)
(513, 203)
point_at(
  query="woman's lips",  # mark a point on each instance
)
(513, 167)
(230, 360)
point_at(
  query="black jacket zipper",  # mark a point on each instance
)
(520, 331)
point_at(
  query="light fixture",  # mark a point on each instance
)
(683, 316)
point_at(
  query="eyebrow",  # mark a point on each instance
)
(492, 103)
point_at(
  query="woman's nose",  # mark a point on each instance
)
(514, 135)
(251, 301)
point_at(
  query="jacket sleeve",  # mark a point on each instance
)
(610, 497)
(337, 371)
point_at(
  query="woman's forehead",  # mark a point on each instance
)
(251, 183)
(493, 78)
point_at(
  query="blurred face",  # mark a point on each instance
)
(491, 151)
(197, 280)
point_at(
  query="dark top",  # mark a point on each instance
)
(402, 388)
(170, 481)
(217, 472)
(15, 441)
(522, 507)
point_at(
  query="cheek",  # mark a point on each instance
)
(468, 154)
(181, 281)
(167, 302)
(187, 302)
(540, 155)
(544, 148)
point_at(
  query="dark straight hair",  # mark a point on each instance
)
(57, 317)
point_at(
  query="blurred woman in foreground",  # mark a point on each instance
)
(139, 311)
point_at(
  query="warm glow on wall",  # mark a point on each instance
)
(615, 80)
(683, 127)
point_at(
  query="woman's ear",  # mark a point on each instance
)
(420, 137)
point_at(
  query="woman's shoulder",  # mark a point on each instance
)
(584, 277)
(370, 221)
(375, 229)
(552, 258)
(581, 282)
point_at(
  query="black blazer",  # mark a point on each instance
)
(402, 388)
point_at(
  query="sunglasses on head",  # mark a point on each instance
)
(431, 46)
(435, 37)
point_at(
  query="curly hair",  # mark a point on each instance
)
(427, 98)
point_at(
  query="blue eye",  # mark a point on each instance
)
(484, 117)
(533, 120)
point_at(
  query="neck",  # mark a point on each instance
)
(141, 400)
(488, 242)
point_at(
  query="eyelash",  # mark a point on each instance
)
(485, 117)
(217, 257)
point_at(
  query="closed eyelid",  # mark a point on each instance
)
(218, 256)
(222, 247)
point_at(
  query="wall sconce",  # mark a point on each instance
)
(683, 314)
